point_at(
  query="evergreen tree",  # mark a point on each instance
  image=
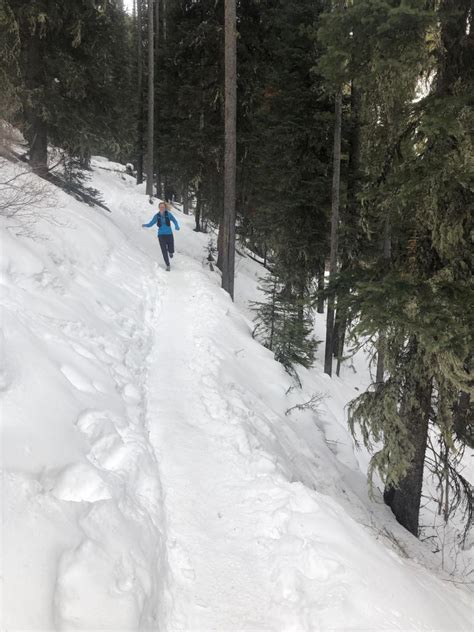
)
(71, 67)
(284, 324)
(414, 288)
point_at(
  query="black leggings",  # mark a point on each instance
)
(167, 246)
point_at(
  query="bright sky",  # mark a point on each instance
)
(128, 5)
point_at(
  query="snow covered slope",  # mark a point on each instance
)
(152, 479)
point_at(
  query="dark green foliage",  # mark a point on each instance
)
(417, 157)
(75, 63)
(9, 67)
(190, 123)
(284, 323)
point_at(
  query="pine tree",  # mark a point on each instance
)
(284, 323)
(70, 68)
(9, 68)
(415, 295)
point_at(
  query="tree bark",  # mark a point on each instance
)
(353, 171)
(186, 199)
(340, 345)
(336, 180)
(36, 131)
(320, 304)
(404, 500)
(151, 100)
(38, 134)
(462, 419)
(387, 257)
(228, 263)
(197, 212)
(140, 107)
(220, 245)
(165, 21)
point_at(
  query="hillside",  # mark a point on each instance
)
(153, 479)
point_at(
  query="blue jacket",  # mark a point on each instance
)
(164, 229)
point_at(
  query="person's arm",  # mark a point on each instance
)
(173, 219)
(151, 223)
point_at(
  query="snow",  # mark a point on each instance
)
(152, 479)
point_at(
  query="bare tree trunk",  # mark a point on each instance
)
(462, 417)
(186, 199)
(228, 263)
(156, 144)
(320, 305)
(38, 135)
(197, 213)
(220, 245)
(165, 21)
(404, 500)
(151, 99)
(336, 180)
(353, 171)
(340, 344)
(36, 131)
(140, 108)
(387, 256)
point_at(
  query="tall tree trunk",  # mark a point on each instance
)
(151, 100)
(387, 257)
(336, 330)
(348, 249)
(320, 304)
(380, 371)
(336, 180)
(220, 245)
(165, 21)
(404, 500)
(186, 199)
(36, 131)
(463, 414)
(140, 105)
(38, 135)
(353, 171)
(341, 341)
(228, 263)
(156, 99)
(197, 212)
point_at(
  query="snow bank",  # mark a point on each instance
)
(82, 532)
(152, 477)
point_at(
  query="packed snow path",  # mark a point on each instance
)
(219, 575)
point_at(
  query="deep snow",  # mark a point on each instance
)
(152, 479)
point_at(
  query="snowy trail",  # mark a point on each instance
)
(248, 546)
(216, 580)
(152, 478)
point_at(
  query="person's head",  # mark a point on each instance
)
(162, 207)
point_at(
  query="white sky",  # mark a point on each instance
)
(128, 4)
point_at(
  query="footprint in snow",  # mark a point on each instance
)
(77, 379)
(80, 482)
